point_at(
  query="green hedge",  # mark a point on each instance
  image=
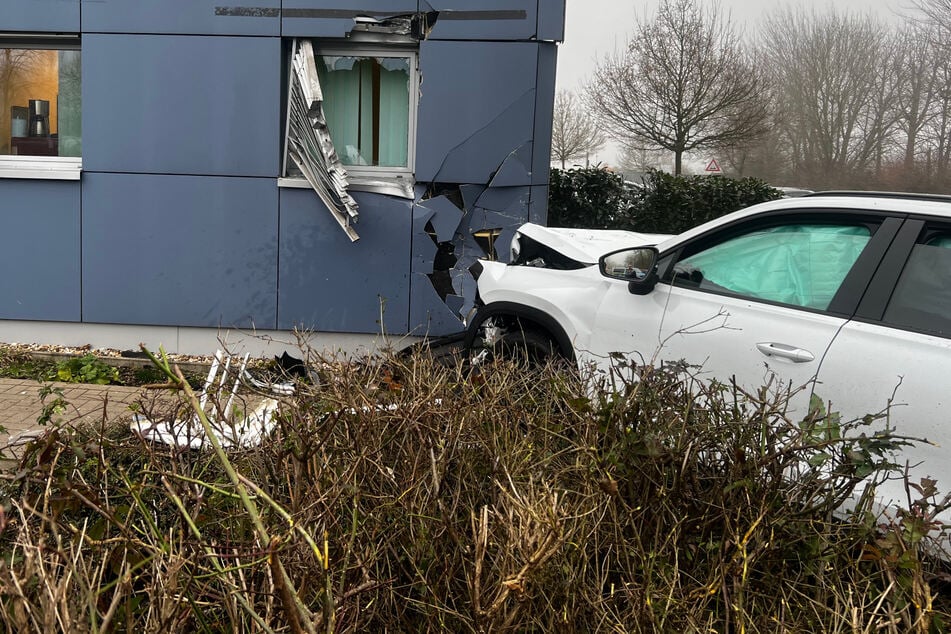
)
(594, 198)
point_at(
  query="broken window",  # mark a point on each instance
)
(351, 122)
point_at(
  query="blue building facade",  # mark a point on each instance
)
(318, 164)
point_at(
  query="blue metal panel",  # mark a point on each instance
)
(334, 18)
(182, 105)
(476, 108)
(538, 211)
(483, 19)
(203, 17)
(180, 250)
(544, 112)
(551, 20)
(331, 284)
(39, 257)
(40, 16)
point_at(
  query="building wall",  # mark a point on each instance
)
(178, 218)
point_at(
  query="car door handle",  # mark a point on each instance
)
(794, 354)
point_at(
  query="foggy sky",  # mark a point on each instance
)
(596, 27)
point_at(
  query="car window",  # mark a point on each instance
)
(922, 297)
(801, 265)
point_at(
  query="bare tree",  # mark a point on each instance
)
(933, 140)
(574, 134)
(918, 77)
(837, 90)
(684, 83)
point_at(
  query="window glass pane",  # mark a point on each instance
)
(922, 297)
(366, 103)
(801, 265)
(40, 101)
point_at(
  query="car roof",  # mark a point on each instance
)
(830, 202)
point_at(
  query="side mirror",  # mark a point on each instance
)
(637, 267)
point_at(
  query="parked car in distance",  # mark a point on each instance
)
(846, 293)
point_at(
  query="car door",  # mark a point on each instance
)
(897, 350)
(759, 301)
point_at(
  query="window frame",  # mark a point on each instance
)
(883, 228)
(364, 177)
(42, 167)
(916, 230)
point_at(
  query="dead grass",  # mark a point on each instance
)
(403, 495)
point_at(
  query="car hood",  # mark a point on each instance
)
(584, 245)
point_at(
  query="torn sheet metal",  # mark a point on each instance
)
(516, 169)
(445, 219)
(398, 188)
(326, 18)
(309, 143)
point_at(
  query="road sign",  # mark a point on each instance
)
(714, 167)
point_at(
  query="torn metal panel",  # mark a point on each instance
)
(470, 194)
(478, 158)
(484, 19)
(429, 314)
(398, 188)
(337, 18)
(309, 142)
(512, 201)
(504, 245)
(478, 105)
(446, 217)
(424, 246)
(516, 169)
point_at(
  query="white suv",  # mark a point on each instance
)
(847, 293)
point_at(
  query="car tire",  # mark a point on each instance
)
(526, 346)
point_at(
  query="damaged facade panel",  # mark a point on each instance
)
(336, 19)
(429, 120)
(309, 143)
(478, 106)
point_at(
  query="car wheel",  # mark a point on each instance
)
(525, 346)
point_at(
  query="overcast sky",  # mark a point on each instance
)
(594, 28)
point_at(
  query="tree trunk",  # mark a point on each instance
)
(678, 162)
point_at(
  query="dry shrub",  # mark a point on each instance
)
(405, 495)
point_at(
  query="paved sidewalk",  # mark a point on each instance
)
(20, 404)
